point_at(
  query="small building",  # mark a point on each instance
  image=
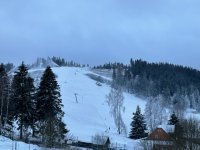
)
(161, 138)
(103, 145)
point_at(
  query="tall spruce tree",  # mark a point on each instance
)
(31, 95)
(22, 98)
(49, 109)
(4, 99)
(138, 125)
(178, 134)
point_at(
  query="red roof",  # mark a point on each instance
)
(159, 135)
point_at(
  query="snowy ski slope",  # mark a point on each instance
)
(91, 114)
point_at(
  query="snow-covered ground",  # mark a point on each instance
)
(91, 114)
(7, 144)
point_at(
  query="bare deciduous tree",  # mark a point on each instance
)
(155, 113)
(115, 100)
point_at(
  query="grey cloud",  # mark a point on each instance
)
(100, 31)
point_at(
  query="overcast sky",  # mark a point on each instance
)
(98, 31)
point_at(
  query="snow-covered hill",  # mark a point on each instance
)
(91, 114)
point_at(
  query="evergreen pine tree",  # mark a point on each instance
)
(173, 119)
(31, 95)
(49, 109)
(179, 136)
(22, 98)
(4, 87)
(178, 132)
(138, 125)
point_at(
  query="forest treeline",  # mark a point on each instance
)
(174, 85)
